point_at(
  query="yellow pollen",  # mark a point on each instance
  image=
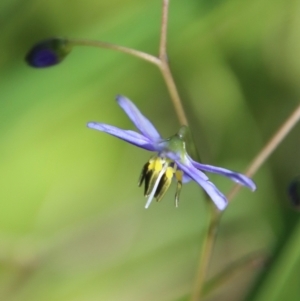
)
(158, 164)
(170, 172)
(157, 175)
(179, 175)
(151, 164)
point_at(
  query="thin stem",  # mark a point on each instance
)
(161, 63)
(206, 253)
(165, 69)
(252, 260)
(177, 103)
(99, 44)
(269, 148)
(167, 75)
(163, 31)
(262, 156)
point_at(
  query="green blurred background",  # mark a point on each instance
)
(72, 221)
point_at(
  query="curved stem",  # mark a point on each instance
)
(269, 148)
(99, 44)
(262, 156)
(160, 62)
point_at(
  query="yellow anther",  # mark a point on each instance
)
(151, 163)
(170, 172)
(158, 164)
(179, 175)
(158, 173)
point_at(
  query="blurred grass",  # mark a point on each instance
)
(72, 221)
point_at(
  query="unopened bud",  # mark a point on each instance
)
(48, 53)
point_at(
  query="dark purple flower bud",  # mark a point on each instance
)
(294, 192)
(48, 53)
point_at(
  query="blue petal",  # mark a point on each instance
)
(186, 178)
(129, 136)
(139, 120)
(234, 176)
(217, 197)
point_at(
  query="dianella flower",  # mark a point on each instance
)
(171, 160)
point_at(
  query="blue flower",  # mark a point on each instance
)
(171, 160)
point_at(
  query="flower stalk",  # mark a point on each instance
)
(269, 148)
(210, 238)
(104, 45)
(206, 253)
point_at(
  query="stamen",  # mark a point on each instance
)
(161, 173)
(178, 189)
(157, 174)
(143, 174)
(178, 176)
(154, 168)
(164, 183)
